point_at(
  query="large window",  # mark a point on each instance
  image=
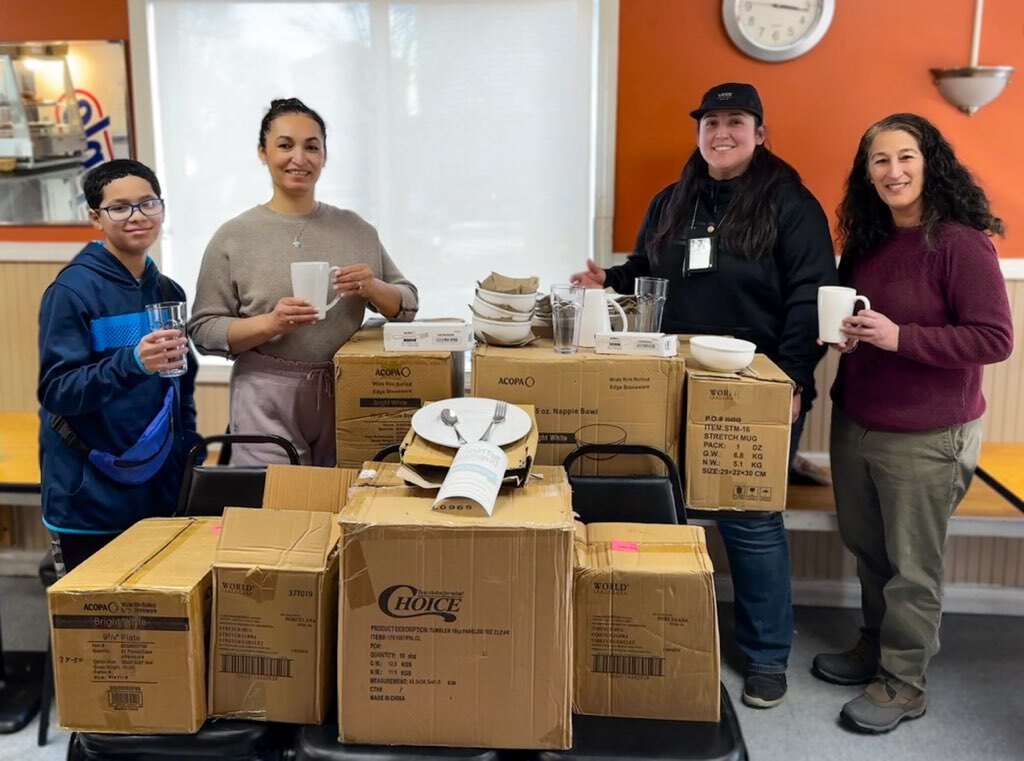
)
(465, 130)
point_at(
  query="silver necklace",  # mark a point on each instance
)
(297, 240)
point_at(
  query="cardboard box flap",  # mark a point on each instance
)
(544, 507)
(643, 547)
(303, 487)
(761, 369)
(283, 539)
(417, 451)
(158, 553)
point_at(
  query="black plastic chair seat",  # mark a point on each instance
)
(632, 498)
(208, 489)
(321, 744)
(604, 738)
(225, 740)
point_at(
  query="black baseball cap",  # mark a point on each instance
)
(731, 95)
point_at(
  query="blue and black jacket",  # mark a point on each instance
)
(92, 317)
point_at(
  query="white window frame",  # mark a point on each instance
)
(603, 146)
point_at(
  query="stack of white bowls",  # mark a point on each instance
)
(504, 317)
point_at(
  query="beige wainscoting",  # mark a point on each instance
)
(817, 556)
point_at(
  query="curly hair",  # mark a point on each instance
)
(950, 194)
(753, 204)
(282, 106)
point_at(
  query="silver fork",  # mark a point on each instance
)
(499, 417)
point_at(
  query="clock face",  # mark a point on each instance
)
(776, 31)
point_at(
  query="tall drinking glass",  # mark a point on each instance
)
(566, 309)
(650, 293)
(169, 315)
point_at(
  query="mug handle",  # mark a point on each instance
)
(858, 297)
(335, 300)
(622, 315)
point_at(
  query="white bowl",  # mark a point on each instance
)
(721, 353)
(484, 309)
(509, 332)
(517, 302)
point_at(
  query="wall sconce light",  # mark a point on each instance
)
(971, 87)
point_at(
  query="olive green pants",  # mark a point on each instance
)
(895, 493)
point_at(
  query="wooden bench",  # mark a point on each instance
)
(992, 506)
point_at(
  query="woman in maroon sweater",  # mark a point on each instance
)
(906, 425)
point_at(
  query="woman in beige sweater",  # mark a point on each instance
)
(283, 378)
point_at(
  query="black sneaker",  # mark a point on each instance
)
(764, 690)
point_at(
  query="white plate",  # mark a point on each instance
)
(474, 416)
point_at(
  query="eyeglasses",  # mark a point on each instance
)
(119, 212)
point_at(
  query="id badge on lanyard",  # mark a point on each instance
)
(701, 252)
(701, 255)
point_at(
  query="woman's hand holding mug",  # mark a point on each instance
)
(354, 280)
(292, 313)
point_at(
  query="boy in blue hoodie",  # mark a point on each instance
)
(114, 433)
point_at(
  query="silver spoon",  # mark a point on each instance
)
(449, 418)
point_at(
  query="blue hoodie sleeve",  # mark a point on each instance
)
(72, 381)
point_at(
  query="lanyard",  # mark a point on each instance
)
(711, 227)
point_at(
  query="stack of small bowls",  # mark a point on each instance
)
(503, 317)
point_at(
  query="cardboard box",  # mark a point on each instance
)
(306, 487)
(587, 398)
(737, 437)
(456, 631)
(377, 392)
(274, 630)
(428, 335)
(128, 628)
(646, 623)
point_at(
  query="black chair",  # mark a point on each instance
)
(602, 738)
(389, 451)
(221, 739)
(315, 743)
(48, 576)
(208, 489)
(642, 499)
(633, 498)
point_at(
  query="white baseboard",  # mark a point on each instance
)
(957, 598)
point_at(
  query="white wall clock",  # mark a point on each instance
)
(776, 31)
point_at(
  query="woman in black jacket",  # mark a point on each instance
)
(744, 246)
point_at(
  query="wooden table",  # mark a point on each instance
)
(1001, 466)
(19, 458)
(20, 672)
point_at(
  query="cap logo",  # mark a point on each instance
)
(724, 95)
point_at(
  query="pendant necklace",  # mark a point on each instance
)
(297, 240)
(711, 225)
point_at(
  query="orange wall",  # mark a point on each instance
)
(873, 61)
(42, 20)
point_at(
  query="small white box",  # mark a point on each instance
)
(454, 335)
(641, 344)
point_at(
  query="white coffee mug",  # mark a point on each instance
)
(835, 304)
(311, 281)
(595, 317)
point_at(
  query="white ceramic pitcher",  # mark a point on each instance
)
(595, 316)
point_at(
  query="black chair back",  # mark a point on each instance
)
(208, 489)
(386, 452)
(632, 498)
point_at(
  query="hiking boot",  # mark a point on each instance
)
(764, 690)
(883, 704)
(856, 666)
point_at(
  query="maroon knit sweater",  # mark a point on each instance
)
(954, 317)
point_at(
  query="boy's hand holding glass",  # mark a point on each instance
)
(164, 351)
